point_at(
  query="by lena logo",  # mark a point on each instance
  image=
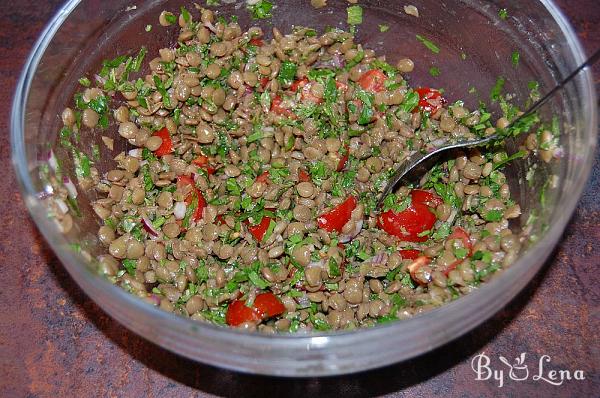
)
(519, 371)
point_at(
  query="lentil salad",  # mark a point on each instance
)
(248, 198)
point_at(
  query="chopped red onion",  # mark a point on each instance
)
(147, 224)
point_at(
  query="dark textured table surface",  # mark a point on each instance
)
(55, 342)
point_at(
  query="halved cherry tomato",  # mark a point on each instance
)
(256, 42)
(409, 254)
(459, 234)
(202, 162)
(373, 81)
(276, 106)
(183, 181)
(264, 177)
(416, 219)
(265, 305)
(259, 230)
(336, 218)
(426, 198)
(303, 176)
(414, 267)
(167, 144)
(344, 158)
(430, 100)
(409, 223)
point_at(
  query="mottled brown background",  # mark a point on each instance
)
(55, 342)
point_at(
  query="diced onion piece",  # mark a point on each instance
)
(179, 210)
(52, 162)
(147, 224)
(71, 189)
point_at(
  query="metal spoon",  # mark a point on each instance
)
(418, 158)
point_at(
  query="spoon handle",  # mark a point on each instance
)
(590, 61)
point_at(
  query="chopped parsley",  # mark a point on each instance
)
(429, 44)
(515, 58)
(434, 71)
(261, 10)
(503, 13)
(287, 72)
(411, 100)
(383, 28)
(355, 15)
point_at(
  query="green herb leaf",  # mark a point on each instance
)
(515, 58)
(261, 10)
(287, 72)
(434, 71)
(186, 15)
(383, 28)
(258, 281)
(429, 44)
(130, 266)
(85, 82)
(355, 15)
(139, 59)
(503, 13)
(493, 215)
(497, 89)
(411, 100)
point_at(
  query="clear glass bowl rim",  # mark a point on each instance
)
(469, 311)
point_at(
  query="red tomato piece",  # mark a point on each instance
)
(414, 267)
(264, 81)
(259, 230)
(344, 158)
(183, 181)
(276, 106)
(303, 176)
(256, 42)
(238, 313)
(202, 162)
(335, 219)
(264, 177)
(426, 198)
(219, 219)
(459, 234)
(266, 305)
(167, 144)
(409, 254)
(409, 223)
(298, 84)
(373, 81)
(430, 100)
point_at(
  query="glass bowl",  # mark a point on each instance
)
(83, 33)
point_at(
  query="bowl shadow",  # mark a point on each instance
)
(213, 380)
